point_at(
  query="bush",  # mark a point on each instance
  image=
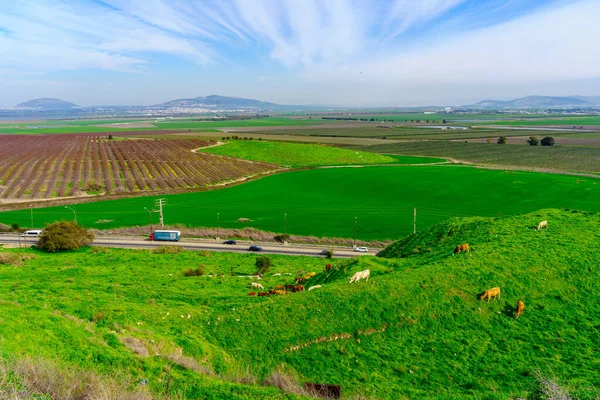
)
(533, 141)
(263, 264)
(328, 253)
(199, 271)
(547, 141)
(64, 236)
(15, 227)
(502, 140)
(282, 238)
(171, 249)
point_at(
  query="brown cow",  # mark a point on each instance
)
(488, 294)
(461, 247)
(271, 291)
(279, 287)
(520, 308)
(280, 292)
(290, 287)
(299, 279)
(263, 294)
(252, 294)
(328, 267)
(299, 288)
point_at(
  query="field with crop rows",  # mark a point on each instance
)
(47, 166)
(557, 158)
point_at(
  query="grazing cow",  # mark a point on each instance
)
(520, 308)
(299, 288)
(257, 286)
(280, 292)
(314, 287)
(290, 287)
(328, 267)
(262, 294)
(461, 247)
(488, 294)
(277, 274)
(252, 294)
(271, 291)
(542, 225)
(299, 279)
(361, 275)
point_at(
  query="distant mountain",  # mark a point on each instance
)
(219, 102)
(541, 102)
(48, 104)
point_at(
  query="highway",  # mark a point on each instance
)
(202, 244)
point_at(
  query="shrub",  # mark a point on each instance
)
(533, 141)
(199, 271)
(263, 264)
(282, 238)
(15, 227)
(328, 253)
(64, 236)
(502, 140)
(171, 249)
(110, 137)
(547, 141)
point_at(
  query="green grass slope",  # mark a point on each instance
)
(416, 329)
(302, 155)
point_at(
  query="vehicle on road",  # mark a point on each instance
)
(254, 248)
(164, 235)
(32, 233)
(230, 242)
(361, 249)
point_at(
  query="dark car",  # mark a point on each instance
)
(254, 248)
(230, 242)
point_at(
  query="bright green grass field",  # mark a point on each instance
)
(177, 124)
(416, 329)
(302, 155)
(325, 202)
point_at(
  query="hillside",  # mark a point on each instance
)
(218, 102)
(541, 102)
(48, 104)
(416, 329)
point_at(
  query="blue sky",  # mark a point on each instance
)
(341, 52)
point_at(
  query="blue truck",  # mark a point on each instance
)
(169, 236)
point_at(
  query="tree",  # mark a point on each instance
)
(64, 235)
(547, 141)
(282, 238)
(533, 141)
(15, 227)
(502, 140)
(263, 264)
(110, 137)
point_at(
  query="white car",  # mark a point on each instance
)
(361, 249)
(32, 233)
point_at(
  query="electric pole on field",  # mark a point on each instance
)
(218, 227)
(415, 222)
(31, 210)
(160, 203)
(354, 231)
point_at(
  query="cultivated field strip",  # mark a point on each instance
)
(52, 166)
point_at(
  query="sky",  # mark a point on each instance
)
(326, 52)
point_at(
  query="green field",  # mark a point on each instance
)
(561, 158)
(325, 202)
(302, 155)
(559, 120)
(416, 329)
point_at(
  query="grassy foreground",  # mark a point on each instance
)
(327, 202)
(302, 155)
(416, 329)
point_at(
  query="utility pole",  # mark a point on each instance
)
(415, 222)
(73, 213)
(150, 215)
(354, 231)
(31, 211)
(285, 228)
(160, 203)
(218, 227)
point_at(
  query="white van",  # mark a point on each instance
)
(32, 233)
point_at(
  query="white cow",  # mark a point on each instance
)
(361, 275)
(543, 225)
(257, 286)
(314, 287)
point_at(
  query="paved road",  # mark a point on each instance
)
(211, 245)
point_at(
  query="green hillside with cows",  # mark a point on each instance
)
(137, 322)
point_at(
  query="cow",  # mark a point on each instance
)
(299, 288)
(279, 287)
(299, 279)
(542, 225)
(262, 294)
(290, 287)
(488, 294)
(328, 267)
(461, 247)
(257, 286)
(280, 292)
(252, 294)
(361, 275)
(271, 291)
(520, 308)
(314, 287)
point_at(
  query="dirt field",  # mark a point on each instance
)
(567, 141)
